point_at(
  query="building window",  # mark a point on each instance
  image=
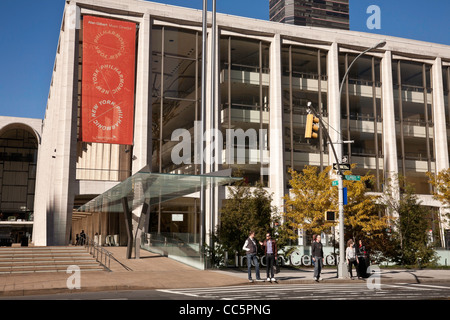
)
(413, 114)
(244, 104)
(175, 92)
(304, 79)
(361, 114)
(446, 76)
(18, 157)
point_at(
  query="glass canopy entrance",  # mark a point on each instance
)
(136, 196)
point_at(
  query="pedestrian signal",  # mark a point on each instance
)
(330, 215)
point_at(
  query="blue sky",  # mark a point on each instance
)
(29, 32)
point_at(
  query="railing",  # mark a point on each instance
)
(183, 247)
(101, 255)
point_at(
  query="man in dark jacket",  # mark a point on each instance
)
(270, 250)
(317, 255)
(251, 248)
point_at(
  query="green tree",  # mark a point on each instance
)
(247, 209)
(409, 238)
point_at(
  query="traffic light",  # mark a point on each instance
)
(311, 127)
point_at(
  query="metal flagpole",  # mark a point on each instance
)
(202, 112)
(212, 120)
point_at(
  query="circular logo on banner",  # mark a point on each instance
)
(106, 115)
(109, 44)
(108, 79)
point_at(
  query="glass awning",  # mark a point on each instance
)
(152, 188)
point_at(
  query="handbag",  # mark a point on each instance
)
(276, 268)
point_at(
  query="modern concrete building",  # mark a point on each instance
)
(394, 106)
(311, 13)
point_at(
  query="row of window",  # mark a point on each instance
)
(244, 73)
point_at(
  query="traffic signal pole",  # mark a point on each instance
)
(340, 174)
(342, 264)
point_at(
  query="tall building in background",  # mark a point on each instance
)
(313, 13)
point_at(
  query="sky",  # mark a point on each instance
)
(29, 32)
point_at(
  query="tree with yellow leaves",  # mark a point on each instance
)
(441, 184)
(364, 218)
(312, 194)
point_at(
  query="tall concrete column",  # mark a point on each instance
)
(142, 119)
(66, 147)
(55, 180)
(440, 133)
(276, 145)
(440, 129)
(334, 102)
(390, 165)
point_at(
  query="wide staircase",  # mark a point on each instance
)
(46, 259)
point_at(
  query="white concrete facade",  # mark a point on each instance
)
(57, 183)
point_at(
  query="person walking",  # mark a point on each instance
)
(317, 255)
(270, 250)
(82, 238)
(251, 248)
(351, 257)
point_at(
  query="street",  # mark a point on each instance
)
(284, 292)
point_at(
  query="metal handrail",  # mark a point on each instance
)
(101, 255)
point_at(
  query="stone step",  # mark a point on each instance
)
(47, 262)
(46, 259)
(42, 249)
(42, 255)
(40, 268)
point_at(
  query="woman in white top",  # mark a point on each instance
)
(352, 258)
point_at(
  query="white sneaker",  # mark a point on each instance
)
(268, 279)
(320, 279)
(314, 278)
(273, 279)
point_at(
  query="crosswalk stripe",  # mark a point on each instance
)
(406, 287)
(430, 286)
(308, 291)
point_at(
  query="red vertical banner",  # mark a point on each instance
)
(107, 108)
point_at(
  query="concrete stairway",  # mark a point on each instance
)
(46, 259)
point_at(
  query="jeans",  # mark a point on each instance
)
(252, 257)
(350, 264)
(318, 264)
(270, 261)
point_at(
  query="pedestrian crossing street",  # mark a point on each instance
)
(321, 291)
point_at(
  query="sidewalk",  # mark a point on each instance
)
(155, 272)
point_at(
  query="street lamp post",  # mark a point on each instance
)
(340, 174)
